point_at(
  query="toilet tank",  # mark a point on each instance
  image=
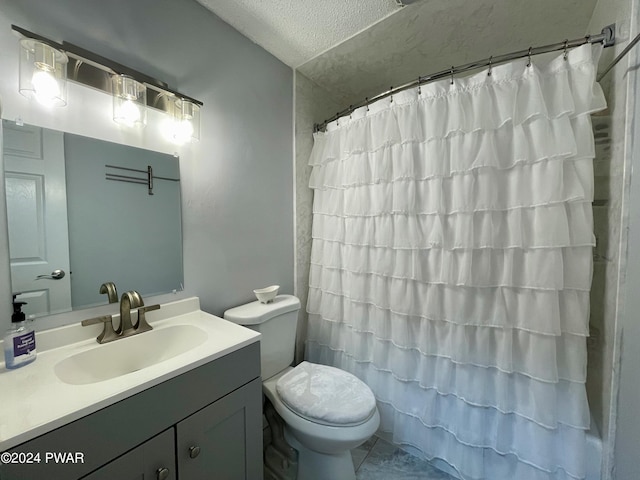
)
(277, 321)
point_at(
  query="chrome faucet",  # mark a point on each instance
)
(110, 289)
(129, 300)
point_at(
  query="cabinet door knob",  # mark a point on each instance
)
(162, 473)
(194, 451)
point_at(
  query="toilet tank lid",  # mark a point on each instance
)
(256, 312)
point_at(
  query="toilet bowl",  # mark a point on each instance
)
(326, 411)
(324, 449)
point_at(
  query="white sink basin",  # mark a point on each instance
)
(120, 357)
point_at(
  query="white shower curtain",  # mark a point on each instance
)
(452, 261)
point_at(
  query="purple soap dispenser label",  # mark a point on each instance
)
(24, 344)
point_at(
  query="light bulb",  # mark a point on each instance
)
(128, 113)
(45, 87)
(182, 131)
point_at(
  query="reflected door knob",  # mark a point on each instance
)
(55, 275)
(194, 451)
(162, 473)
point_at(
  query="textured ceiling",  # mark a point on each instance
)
(433, 35)
(296, 31)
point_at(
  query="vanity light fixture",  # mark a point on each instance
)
(129, 101)
(186, 121)
(44, 66)
(43, 72)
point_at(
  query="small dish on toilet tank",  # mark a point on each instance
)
(267, 294)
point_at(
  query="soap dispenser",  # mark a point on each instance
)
(20, 339)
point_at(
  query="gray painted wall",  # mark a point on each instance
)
(237, 182)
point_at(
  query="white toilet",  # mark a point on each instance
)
(326, 411)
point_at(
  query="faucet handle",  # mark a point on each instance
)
(142, 325)
(136, 299)
(108, 333)
(110, 289)
(93, 321)
(150, 308)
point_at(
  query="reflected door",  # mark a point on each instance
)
(37, 217)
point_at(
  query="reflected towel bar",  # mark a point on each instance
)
(147, 180)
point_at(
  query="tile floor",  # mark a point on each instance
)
(377, 459)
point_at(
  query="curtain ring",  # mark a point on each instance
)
(490, 65)
(366, 101)
(350, 112)
(419, 87)
(337, 119)
(391, 96)
(529, 55)
(452, 69)
(566, 44)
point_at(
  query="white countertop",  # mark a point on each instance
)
(34, 401)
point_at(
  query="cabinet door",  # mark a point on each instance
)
(224, 440)
(153, 460)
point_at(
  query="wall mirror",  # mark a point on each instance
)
(97, 211)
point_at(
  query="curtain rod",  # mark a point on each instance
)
(632, 43)
(606, 37)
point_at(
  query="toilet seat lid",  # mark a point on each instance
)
(326, 395)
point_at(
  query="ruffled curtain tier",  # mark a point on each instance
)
(334, 264)
(452, 259)
(502, 149)
(542, 357)
(482, 463)
(547, 404)
(529, 185)
(556, 312)
(566, 224)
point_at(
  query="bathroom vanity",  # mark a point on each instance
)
(195, 415)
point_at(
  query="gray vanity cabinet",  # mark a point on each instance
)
(213, 443)
(154, 459)
(216, 408)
